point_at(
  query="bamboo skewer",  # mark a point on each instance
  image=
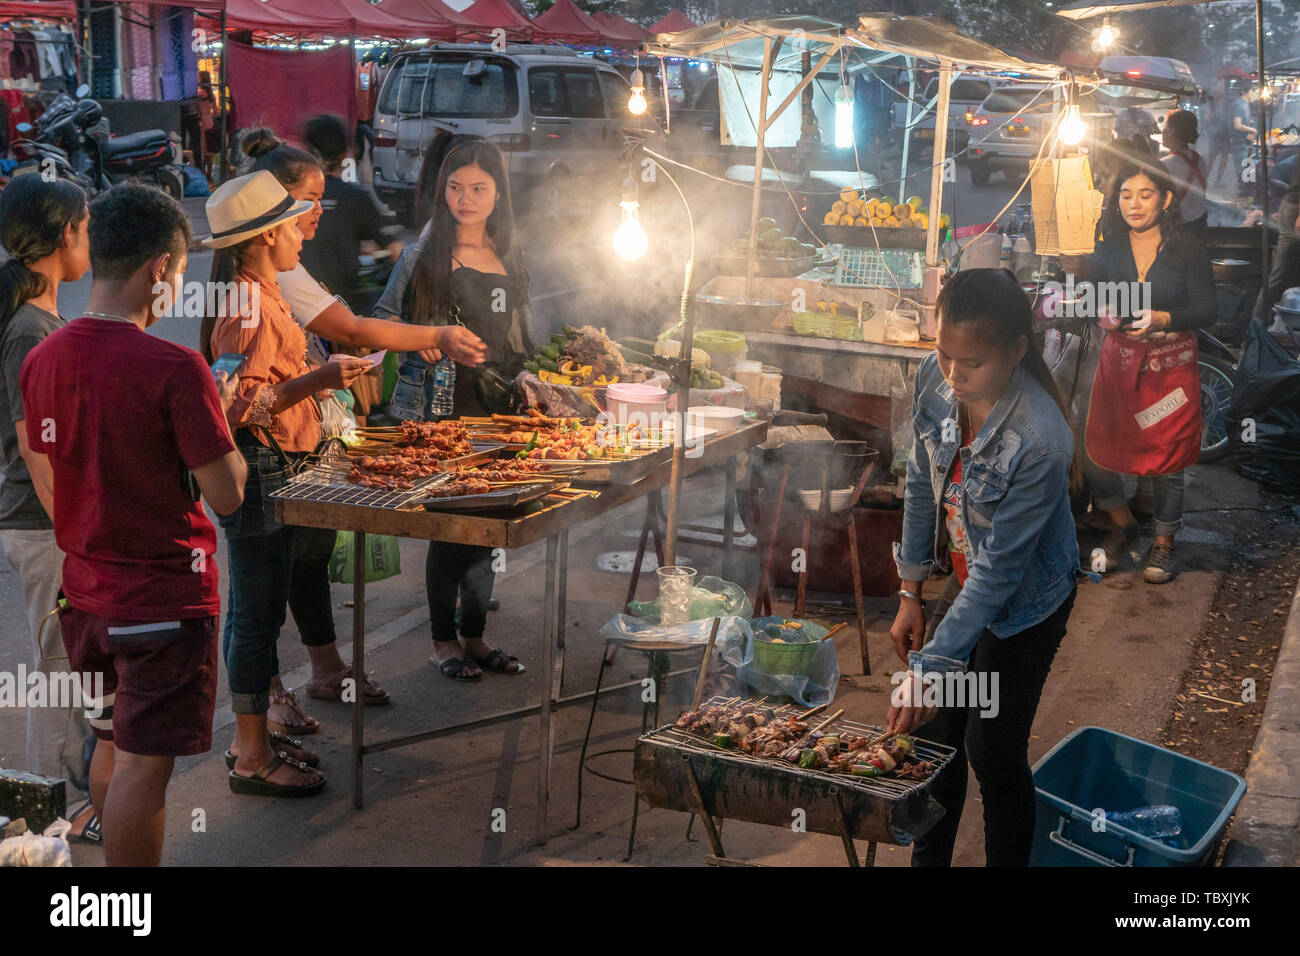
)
(835, 716)
(804, 717)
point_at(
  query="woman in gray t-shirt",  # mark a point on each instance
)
(43, 227)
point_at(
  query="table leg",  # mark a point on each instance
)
(562, 603)
(358, 665)
(801, 589)
(856, 566)
(728, 518)
(548, 687)
(646, 524)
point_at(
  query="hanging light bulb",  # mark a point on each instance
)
(844, 116)
(636, 102)
(1106, 38)
(1073, 128)
(630, 242)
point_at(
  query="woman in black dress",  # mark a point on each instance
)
(468, 269)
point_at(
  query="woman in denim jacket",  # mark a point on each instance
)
(987, 492)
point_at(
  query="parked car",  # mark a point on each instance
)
(1006, 130)
(967, 93)
(558, 117)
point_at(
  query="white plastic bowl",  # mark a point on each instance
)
(812, 500)
(721, 418)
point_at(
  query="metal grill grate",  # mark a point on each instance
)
(890, 788)
(327, 481)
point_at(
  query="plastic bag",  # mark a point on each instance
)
(711, 597)
(1263, 421)
(48, 849)
(802, 665)
(383, 558)
(734, 643)
(581, 401)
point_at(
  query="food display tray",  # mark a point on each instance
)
(492, 501)
(764, 265)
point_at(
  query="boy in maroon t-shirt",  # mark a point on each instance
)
(118, 419)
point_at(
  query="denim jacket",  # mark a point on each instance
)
(1020, 546)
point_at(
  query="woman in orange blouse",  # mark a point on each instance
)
(276, 421)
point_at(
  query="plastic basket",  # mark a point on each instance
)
(827, 326)
(1094, 768)
(879, 268)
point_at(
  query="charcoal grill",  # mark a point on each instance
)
(327, 480)
(675, 770)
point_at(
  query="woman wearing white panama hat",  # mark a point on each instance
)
(254, 230)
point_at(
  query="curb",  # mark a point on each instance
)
(1267, 827)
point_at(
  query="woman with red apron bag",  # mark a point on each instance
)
(1144, 417)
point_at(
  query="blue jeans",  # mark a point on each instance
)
(413, 395)
(260, 553)
(1166, 490)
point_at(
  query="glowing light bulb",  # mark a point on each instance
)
(630, 242)
(1073, 128)
(636, 104)
(1107, 35)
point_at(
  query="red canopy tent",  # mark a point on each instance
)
(487, 15)
(49, 11)
(364, 19)
(425, 11)
(673, 22)
(620, 31)
(565, 23)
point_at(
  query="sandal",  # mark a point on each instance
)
(278, 743)
(258, 786)
(309, 725)
(454, 667)
(91, 831)
(332, 688)
(499, 661)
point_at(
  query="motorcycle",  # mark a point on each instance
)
(74, 139)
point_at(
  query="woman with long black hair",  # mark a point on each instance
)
(469, 270)
(1147, 244)
(43, 227)
(988, 493)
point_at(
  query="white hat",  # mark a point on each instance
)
(248, 205)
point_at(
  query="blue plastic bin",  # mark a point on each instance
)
(1097, 768)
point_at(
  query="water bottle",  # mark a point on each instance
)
(1004, 257)
(1022, 259)
(1159, 823)
(444, 386)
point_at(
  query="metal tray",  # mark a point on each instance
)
(764, 265)
(864, 237)
(624, 471)
(493, 500)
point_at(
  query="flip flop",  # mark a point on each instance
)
(332, 688)
(499, 661)
(258, 786)
(453, 667)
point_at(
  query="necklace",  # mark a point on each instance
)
(113, 316)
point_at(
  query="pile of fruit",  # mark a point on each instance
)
(881, 212)
(772, 243)
(585, 356)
